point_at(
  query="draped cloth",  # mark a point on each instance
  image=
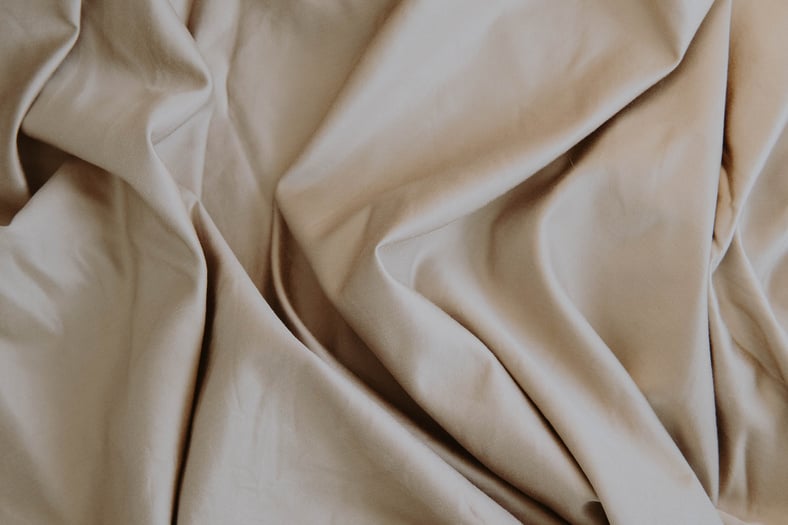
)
(367, 261)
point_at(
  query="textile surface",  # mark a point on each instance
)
(367, 261)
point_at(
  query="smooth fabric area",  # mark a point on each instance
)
(372, 262)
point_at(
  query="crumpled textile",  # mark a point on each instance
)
(368, 261)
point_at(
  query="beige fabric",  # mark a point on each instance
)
(359, 261)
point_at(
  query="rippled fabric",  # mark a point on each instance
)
(367, 261)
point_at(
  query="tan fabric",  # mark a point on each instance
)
(360, 262)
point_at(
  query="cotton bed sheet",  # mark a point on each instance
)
(366, 261)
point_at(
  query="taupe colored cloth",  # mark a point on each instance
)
(361, 262)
